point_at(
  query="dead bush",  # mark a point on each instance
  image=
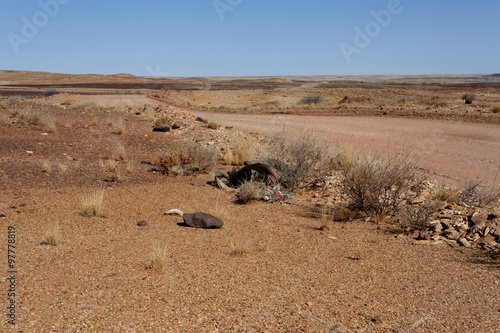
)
(163, 120)
(202, 157)
(312, 99)
(194, 157)
(418, 217)
(250, 190)
(173, 162)
(474, 194)
(495, 109)
(377, 185)
(469, 98)
(297, 158)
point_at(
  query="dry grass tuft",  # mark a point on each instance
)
(46, 166)
(109, 164)
(62, 167)
(84, 105)
(118, 126)
(325, 218)
(219, 210)
(52, 235)
(212, 124)
(158, 258)
(240, 247)
(92, 203)
(118, 153)
(243, 150)
(228, 157)
(250, 190)
(26, 116)
(113, 177)
(50, 125)
(446, 193)
(359, 252)
(130, 167)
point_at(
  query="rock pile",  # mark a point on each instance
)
(461, 226)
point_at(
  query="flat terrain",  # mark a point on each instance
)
(292, 277)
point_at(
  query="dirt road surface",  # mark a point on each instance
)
(454, 149)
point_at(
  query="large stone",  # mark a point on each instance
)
(488, 239)
(456, 235)
(202, 120)
(161, 129)
(202, 220)
(178, 124)
(479, 218)
(465, 242)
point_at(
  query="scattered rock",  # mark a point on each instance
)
(202, 220)
(178, 124)
(479, 218)
(487, 240)
(456, 235)
(3, 215)
(202, 120)
(422, 242)
(465, 242)
(161, 129)
(142, 223)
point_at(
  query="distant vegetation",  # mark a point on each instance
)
(51, 92)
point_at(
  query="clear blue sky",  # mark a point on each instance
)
(255, 37)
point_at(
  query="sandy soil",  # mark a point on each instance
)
(356, 277)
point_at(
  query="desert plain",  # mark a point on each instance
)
(274, 266)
